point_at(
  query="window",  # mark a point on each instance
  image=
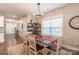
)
(1, 21)
(46, 27)
(2, 29)
(52, 26)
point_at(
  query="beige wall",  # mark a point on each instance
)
(24, 21)
(21, 30)
(70, 36)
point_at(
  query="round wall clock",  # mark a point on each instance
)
(74, 22)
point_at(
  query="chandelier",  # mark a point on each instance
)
(37, 15)
(39, 11)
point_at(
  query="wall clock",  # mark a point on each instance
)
(74, 22)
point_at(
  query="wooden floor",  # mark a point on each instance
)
(11, 40)
(3, 50)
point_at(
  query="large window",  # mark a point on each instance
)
(52, 26)
(2, 29)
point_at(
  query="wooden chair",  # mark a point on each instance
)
(54, 48)
(34, 48)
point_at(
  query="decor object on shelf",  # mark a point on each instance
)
(35, 28)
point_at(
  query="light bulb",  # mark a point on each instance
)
(42, 14)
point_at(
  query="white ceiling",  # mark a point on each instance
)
(28, 8)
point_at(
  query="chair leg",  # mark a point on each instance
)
(29, 51)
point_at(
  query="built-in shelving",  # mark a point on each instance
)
(35, 28)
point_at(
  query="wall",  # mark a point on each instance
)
(24, 21)
(20, 29)
(70, 36)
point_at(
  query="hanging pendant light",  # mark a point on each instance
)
(39, 12)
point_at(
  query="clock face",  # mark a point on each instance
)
(74, 22)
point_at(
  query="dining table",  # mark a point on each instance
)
(45, 42)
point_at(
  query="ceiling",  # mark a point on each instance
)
(22, 9)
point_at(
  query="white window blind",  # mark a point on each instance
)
(52, 26)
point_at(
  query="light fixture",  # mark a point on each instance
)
(39, 13)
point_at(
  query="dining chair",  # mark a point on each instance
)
(34, 48)
(55, 46)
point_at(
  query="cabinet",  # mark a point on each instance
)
(35, 28)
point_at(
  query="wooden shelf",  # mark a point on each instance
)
(35, 28)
